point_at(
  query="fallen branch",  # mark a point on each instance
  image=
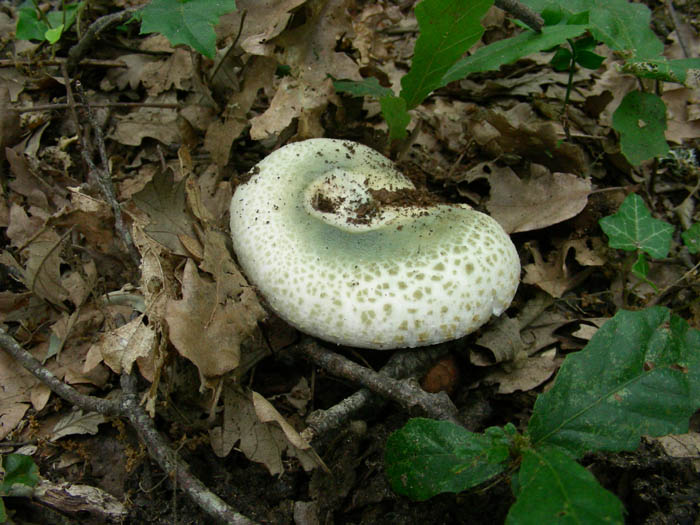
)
(127, 407)
(406, 392)
(401, 364)
(100, 174)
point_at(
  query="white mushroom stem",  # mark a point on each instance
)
(394, 277)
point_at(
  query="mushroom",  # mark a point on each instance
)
(334, 260)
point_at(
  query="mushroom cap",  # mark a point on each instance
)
(394, 278)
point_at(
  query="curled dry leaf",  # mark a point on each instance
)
(261, 432)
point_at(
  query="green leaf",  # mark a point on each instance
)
(684, 71)
(29, 27)
(589, 59)
(53, 35)
(691, 238)
(495, 55)
(640, 269)
(447, 29)
(633, 228)
(638, 375)
(553, 488)
(360, 88)
(396, 115)
(561, 61)
(18, 469)
(3, 514)
(640, 119)
(427, 457)
(189, 22)
(619, 24)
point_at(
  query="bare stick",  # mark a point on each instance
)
(405, 392)
(70, 394)
(100, 174)
(161, 450)
(57, 61)
(50, 107)
(521, 12)
(87, 41)
(128, 407)
(401, 364)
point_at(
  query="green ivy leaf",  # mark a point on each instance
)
(447, 29)
(19, 469)
(691, 238)
(495, 55)
(360, 88)
(640, 119)
(633, 228)
(638, 375)
(427, 457)
(189, 22)
(553, 488)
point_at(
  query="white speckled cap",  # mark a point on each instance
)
(410, 277)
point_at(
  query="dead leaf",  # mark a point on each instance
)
(683, 446)
(156, 123)
(503, 339)
(523, 133)
(77, 422)
(265, 19)
(121, 347)
(163, 200)
(536, 202)
(259, 72)
(208, 327)
(175, 72)
(294, 99)
(527, 374)
(262, 433)
(17, 384)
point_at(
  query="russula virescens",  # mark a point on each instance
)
(335, 262)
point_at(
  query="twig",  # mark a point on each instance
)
(50, 107)
(401, 364)
(161, 450)
(405, 392)
(87, 42)
(127, 406)
(70, 394)
(57, 61)
(101, 175)
(677, 23)
(521, 12)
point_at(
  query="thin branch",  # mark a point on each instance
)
(100, 174)
(67, 392)
(51, 107)
(401, 364)
(521, 12)
(161, 450)
(127, 406)
(87, 42)
(405, 392)
(57, 61)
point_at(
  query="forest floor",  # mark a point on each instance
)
(92, 297)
